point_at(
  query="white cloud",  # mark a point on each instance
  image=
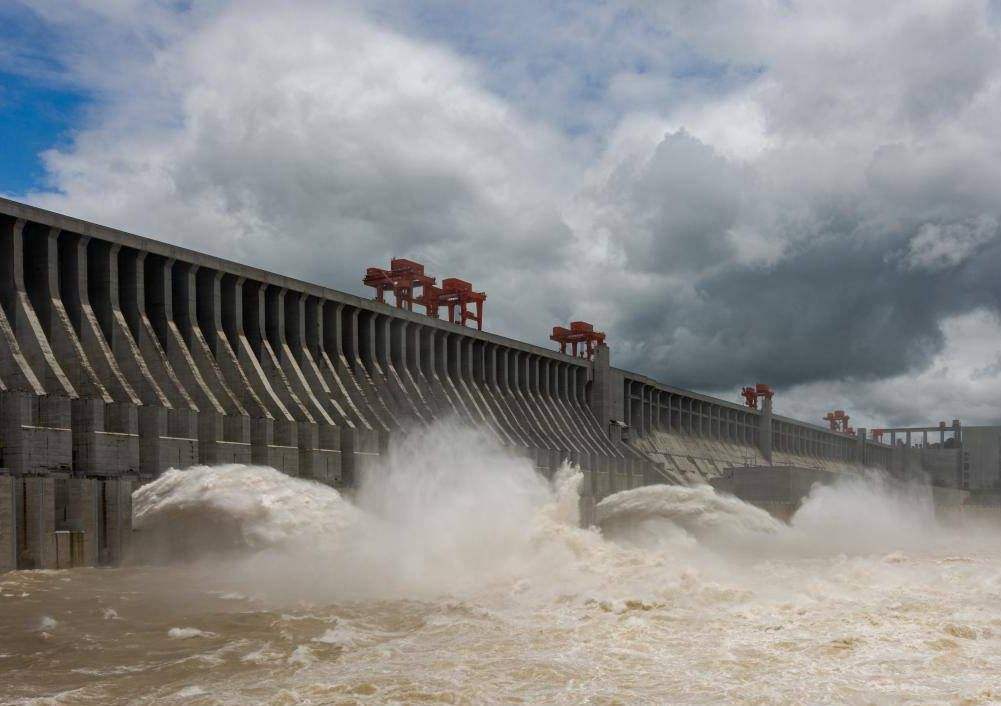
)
(801, 193)
(938, 247)
(292, 134)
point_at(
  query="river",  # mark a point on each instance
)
(455, 574)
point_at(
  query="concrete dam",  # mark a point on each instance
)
(121, 357)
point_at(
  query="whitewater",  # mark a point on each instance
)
(454, 573)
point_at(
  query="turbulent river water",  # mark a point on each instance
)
(455, 574)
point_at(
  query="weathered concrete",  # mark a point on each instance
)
(9, 529)
(83, 514)
(39, 549)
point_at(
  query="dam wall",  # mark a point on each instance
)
(122, 356)
(694, 437)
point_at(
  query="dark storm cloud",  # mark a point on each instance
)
(834, 310)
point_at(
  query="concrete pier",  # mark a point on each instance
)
(121, 357)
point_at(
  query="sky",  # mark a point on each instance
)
(805, 194)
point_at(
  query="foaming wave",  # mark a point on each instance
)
(654, 511)
(867, 514)
(448, 511)
(856, 515)
(208, 509)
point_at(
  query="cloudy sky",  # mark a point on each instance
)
(801, 193)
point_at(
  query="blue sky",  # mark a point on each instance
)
(803, 193)
(36, 113)
(33, 118)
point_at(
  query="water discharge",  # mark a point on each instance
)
(456, 574)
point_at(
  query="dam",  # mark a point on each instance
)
(122, 356)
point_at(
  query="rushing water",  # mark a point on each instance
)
(457, 575)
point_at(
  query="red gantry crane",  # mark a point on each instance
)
(751, 394)
(458, 296)
(404, 277)
(579, 333)
(838, 421)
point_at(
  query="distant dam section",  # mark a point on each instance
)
(121, 357)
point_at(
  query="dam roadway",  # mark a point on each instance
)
(121, 356)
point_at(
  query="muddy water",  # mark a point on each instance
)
(434, 591)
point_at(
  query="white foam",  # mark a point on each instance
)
(236, 505)
(449, 512)
(302, 656)
(696, 509)
(191, 691)
(188, 633)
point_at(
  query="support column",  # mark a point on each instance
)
(320, 459)
(74, 289)
(40, 523)
(278, 440)
(82, 514)
(765, 430)
(9, 530)
(117, 502)
(601, 392)
(42, 279)
(26, 327)
(337, 369)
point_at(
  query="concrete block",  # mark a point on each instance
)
(83, 515)
(44, 450)
(269, 445)
(30, 444)
(360, 452)
(63, 558)
(326, 466)
(236, 428)
(118, 519)
(108, 454)
(232, 452)
(284, 459)
(223, 439)
(40, 523)
(121, 418)
(8, 522)
(159, 451)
